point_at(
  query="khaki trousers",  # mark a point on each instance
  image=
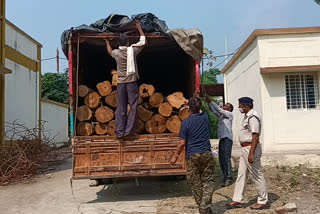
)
(255, 170)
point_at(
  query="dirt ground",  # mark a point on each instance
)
(52, 193)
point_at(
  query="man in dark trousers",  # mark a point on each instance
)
(127, 88)
(225, 135)
(194, 135)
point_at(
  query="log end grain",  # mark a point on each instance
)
(84, 129)
(104, 88)
(103, 114)
(146, 90)
(165, 109)
(173, 124)
(156, 99)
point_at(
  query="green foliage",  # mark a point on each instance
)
(213, 120)
(210, 76)
(55, 86)
(317, 1)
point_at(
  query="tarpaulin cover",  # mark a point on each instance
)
(190, 40)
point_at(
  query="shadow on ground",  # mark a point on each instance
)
(222, 206)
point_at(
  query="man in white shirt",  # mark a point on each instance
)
(225, 135)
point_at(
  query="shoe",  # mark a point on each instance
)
(234, 205)
(260, 206)
(227, 183)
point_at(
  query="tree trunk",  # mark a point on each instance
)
(84, 129)
(103, 114)
(173, 124)
(84, 113)
(140, 127)
(114, 78)
(146, 90)
(184, 113)
(83, 90)
(111, 99)
(104, 88)
(165, 109)
(100, 129)
(92, 100)
(156, 125)
(156, 99)
(144, 114)
(111, 128)
(176, 99)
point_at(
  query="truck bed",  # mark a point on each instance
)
(97, 157)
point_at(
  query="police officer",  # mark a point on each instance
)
(250, 160)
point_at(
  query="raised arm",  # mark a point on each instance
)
(109, 49)
(138, 25)
(142, 40)
(216, 109)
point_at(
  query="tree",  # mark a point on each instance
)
(317, 1)
(210, 76)
(55, 86)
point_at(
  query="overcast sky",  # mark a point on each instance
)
(45, 20)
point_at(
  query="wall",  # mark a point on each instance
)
(242, 80)
(288, 130)
(289, 50)
(55, 120)
(22, 101)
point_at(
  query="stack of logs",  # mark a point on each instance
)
(156, 114)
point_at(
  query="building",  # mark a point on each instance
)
(20, 85)
(280, 70)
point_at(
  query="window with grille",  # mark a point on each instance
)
(302, 91)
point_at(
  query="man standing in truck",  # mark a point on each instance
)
(225, 135)
(194, 136)
(127, 87)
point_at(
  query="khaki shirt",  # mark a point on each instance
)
(251, 123)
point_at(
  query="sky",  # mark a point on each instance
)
(45, 20)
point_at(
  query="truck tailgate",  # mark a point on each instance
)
(107, 157)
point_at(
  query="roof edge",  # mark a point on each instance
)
(264, 32)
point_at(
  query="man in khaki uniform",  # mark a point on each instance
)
(250, 162)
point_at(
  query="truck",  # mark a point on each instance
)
(168, 62)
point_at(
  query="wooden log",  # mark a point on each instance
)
(140, 127)
(140, 100)
(111, 128)
(111, 99)
(84, 113)
(176, 99)
(114, 78)
(173, 124)
(100, 129)
(156, 99)
(103, 114)
(92, 100)
(84, 129)
(156, 125)
(144, 114)
(184, 113)
(83, 90)
(104, 88)
(165, 109)
(146, 90)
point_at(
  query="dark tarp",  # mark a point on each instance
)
(191, 40)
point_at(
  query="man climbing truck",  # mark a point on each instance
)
(168, 73)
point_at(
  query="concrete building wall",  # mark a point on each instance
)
(22, 94)
(243, 79)
(288, 129)
(55, 120)
(289, 50)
